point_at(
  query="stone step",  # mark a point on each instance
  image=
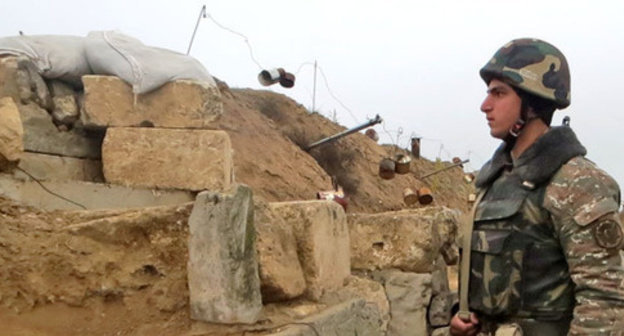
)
(86, 194)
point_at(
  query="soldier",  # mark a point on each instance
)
(542, 255)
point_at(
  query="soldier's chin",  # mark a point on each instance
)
(497, 135)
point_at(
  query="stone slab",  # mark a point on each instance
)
(409, 240)
(322, 235)
(100, 196)
(167, 158)
(42, 136)
(46, 167)
(223, 281)
(109, 101)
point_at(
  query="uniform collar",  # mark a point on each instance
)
(539, 162)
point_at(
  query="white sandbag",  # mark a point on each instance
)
(145, 68)
(55, 56)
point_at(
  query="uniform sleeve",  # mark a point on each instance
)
(584, 202)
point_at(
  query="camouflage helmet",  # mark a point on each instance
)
(534, 66)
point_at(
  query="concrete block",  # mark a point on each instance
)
(223, 280)
(11, 132)
(281, 275)
(46, 167)
(70, 195)
(167, 158)
(109, 101)
(409, 295)
(322, 235)
(409, 240)
(353, 317)
(42, 136)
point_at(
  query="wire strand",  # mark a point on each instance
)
(251, 54)
(334, 96)
(50, 191)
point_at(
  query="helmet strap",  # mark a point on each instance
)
(518, 126)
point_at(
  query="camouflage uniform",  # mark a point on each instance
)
(547, 239)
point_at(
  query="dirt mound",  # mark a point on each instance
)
(269, 130)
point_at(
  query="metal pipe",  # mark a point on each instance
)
(337, 136)
(445, 168)
(202, 13)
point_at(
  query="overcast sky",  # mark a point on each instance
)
(415, 63)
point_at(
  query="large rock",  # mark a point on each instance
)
(46, 167)
(70, 195)
(11, 132)
(42, 136)
(223, 279)
(65, 107)
(409, 295)
(281, 275)
(409, 240)
(353, 317)
(167, 158)
(322, 235)
(109, 101)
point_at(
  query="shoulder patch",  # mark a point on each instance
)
(608, 234)
(589, 212)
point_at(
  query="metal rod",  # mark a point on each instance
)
(445, 168)
(337, 136)
(202, 12)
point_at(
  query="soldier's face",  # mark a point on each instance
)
(501, 107)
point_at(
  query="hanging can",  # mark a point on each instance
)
(372, 134)
(458, 161)
(387, 168)
(424, 196)
(409, 196)
(269, 77)
(415, 144)
(402, 164)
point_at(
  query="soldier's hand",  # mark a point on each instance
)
(460, 327)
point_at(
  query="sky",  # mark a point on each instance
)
(415, 63)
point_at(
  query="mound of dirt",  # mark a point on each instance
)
(268, 131)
